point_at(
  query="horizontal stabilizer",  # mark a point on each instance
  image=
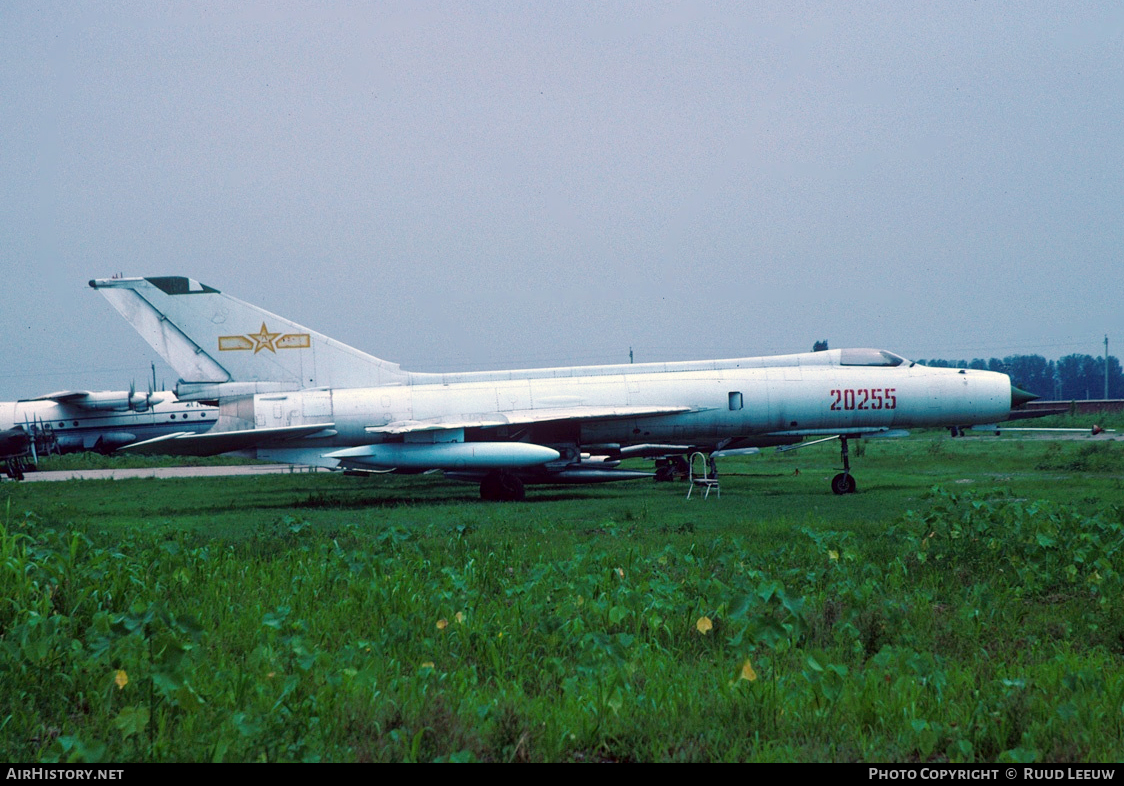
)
(187, 443)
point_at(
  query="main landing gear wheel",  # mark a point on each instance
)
(501, 487)
(843, 483)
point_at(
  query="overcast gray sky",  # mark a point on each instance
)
(493, 184)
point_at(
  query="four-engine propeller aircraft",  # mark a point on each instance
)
(291, 394)
(76, 420)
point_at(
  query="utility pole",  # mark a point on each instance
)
(1106, 366)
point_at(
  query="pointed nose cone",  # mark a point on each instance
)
(1020, 397)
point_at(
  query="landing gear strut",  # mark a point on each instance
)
(500, 486)
(14, 468)
(844, 483)
(670, 468)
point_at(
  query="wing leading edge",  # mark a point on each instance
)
(523, 417)
(186, 443)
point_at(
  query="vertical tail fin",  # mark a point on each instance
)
(212, 338)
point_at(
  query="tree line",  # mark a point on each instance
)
(1069, 378)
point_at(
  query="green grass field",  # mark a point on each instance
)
(966, 605)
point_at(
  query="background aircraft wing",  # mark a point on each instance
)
(520, 417)
(106, 399)
(63, 396)
(211, 444)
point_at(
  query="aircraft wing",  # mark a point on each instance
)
(523, 417)
(186, 443)
(105, 399)
(63, 396)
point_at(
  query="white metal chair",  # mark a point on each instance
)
(705, 475)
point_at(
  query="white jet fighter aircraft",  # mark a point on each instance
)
(291, 394)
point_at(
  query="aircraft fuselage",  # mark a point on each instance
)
(77, 428)
(725, 403)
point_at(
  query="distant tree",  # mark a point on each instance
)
(1070, 384)
(1115, 378)
(820, 346)
(1080, 377)
(1071, 377)
(1092, 369)
(1032, 373)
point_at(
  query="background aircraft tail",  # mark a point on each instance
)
(211, 338)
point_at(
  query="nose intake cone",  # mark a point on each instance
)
(1020, 397)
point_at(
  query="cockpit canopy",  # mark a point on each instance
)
(870, 357)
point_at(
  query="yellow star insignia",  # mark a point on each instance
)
(264, 340)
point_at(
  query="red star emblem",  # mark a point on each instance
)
(263, 339)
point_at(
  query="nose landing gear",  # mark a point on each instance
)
(844, 482)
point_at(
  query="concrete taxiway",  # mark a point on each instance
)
(169, 472)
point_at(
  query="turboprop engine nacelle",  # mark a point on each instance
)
(121, 400)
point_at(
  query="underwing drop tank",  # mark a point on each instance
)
(447, 455)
